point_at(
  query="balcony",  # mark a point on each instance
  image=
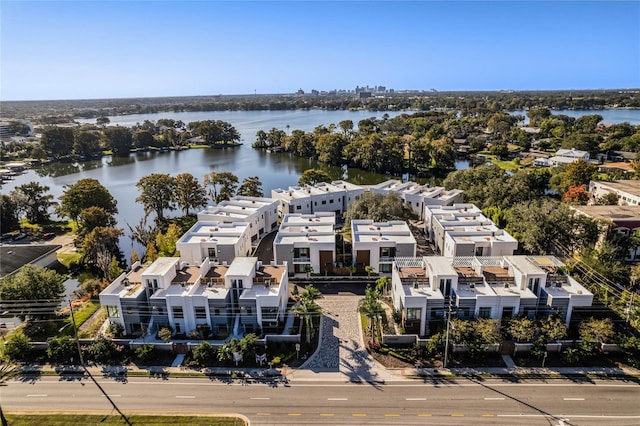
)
(212, 282)
(301, 260)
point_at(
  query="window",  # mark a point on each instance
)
(437, 313)
(331, 201)
(201, 312)
(463, 312)
(479, 251)
(129, 310)
(301, 252)
(216, 312)
(484, 312)
(387, 251)
(298, 207)
(212, 252)
(269, 314)
(445, 286)
(413, 313)
(323, 202)
(385, 267)
(177, 312)
(112, 311)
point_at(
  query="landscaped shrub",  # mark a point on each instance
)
(115, 330)
(101, 351)
(165, 334)
(17, 348)
(204, 354)
(146, 352)
(62, 349)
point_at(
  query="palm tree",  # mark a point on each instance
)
(372, 308)
(306, 310)
(311, 294)
(8, 371)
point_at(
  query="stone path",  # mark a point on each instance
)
(341, 348)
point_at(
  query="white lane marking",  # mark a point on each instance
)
(185, 396)
(573, 399)
(37, 395)
(416, 399)
(494, 399)
(259, 398)
(337, 399)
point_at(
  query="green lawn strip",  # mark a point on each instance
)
(83, 314)
(68, 258)
(84, 419)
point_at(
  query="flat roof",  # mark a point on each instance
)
(162, 265)
(311, 238)
(440, 265)
(242, 266)
(16, 256)
(610, 212)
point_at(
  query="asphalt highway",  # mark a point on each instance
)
(434, 401)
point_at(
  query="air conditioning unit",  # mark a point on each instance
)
(558, 284)
(472, 285)
(547, 284)
(126, 282)
(415, 285)
(506, 285)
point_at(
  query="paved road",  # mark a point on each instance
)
(442, 401)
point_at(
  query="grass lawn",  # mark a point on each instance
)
(68, 258)
(67, 419)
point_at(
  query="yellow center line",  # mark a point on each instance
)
(488, 415)
(424, 415)
(294, 414)
(359, 415)
(326, 415)
(392, 415)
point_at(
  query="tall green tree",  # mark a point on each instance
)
(157, 194)
(329, 147)
(307, 311)
(86, 142)
(57, 141)
(8, 214)
(119, 140)
(547, 226)
(94, 217)
(313, 177)
(251, 187)
(99, 248)
(83, 194)
(223, 185)
(379, 208)
(32, 292)
(189, 193)
(33, 199)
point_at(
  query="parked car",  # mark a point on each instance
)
(20, 236)
(49, 235)
(6, 237)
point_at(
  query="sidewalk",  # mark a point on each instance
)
(317, 374)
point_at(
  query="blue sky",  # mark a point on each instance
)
(91, 49)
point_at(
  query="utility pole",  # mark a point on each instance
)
(87, 372)
(446, 341)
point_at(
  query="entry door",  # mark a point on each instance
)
(326, 259)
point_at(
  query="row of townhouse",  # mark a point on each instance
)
(261, 214)
(306, 242)
(209, 298)
(463, 230)
(424, 289)
(338, 195)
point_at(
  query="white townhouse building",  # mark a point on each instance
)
(440, 219)
(418, 196)
(322, 197)
(214, 300)
(219, 242)
(481, 240)
(260, 213)
(483, 287)
(306, 241)
(376, 244)
(628, 191)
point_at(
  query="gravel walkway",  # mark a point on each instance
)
(341, 347)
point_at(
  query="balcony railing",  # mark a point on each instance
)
(301, 260)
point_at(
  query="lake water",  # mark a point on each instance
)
(120, 175)
(612, 116)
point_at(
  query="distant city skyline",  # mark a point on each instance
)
(87, 49)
